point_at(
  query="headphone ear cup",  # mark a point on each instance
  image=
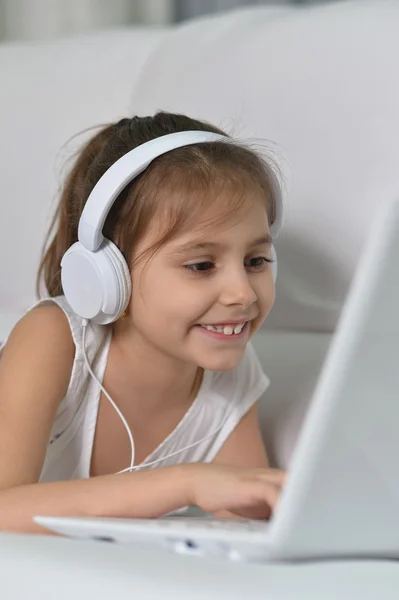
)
(273, 264)
(123, 280)
(97, 284)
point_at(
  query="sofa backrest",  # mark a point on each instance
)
(321, 86)
(49, 92)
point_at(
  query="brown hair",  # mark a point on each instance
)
(178, 183)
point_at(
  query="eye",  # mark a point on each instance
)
(200, 267)
(206, 267)
(258, 262)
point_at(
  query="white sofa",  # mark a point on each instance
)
(321, 84)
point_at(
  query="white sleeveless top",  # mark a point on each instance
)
(222, 400)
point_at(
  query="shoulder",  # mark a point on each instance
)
(41, 339)
(250, 371)
(45, 322)
(36, 361)
(244, 383)
(43, 333)
(57, 310)
(231, 395)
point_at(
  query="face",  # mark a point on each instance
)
(201, 297)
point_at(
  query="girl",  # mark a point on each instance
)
(169, 383)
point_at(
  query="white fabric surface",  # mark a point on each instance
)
(39, 568)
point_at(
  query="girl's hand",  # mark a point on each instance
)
(250, 493)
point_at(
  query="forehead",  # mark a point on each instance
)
(212, 212)
(248, 224)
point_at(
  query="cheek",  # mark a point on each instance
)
(163, 299)
(266, 296)
(266, 293)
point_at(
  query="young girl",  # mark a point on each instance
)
(168, 383)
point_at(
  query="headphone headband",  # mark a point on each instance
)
(124, 170)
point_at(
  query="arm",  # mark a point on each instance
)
(244, 447)
(141, 494)
(35, 368)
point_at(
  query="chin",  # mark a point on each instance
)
(225, 362)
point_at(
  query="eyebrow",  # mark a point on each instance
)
(261, 241)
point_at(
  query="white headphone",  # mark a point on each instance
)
(95, 276)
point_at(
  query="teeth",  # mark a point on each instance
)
(212, 328)
(226, 329)
(238, 328)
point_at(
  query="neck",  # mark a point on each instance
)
(150, 374)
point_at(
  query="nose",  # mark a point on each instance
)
(237, 289)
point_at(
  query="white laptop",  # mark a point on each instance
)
(342, 494)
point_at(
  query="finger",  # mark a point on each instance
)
(275, 476)
(261, 502)
(260, 512)
(270, 493)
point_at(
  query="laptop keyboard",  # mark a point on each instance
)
(212, 523)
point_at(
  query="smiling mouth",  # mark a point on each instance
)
(230, 331)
